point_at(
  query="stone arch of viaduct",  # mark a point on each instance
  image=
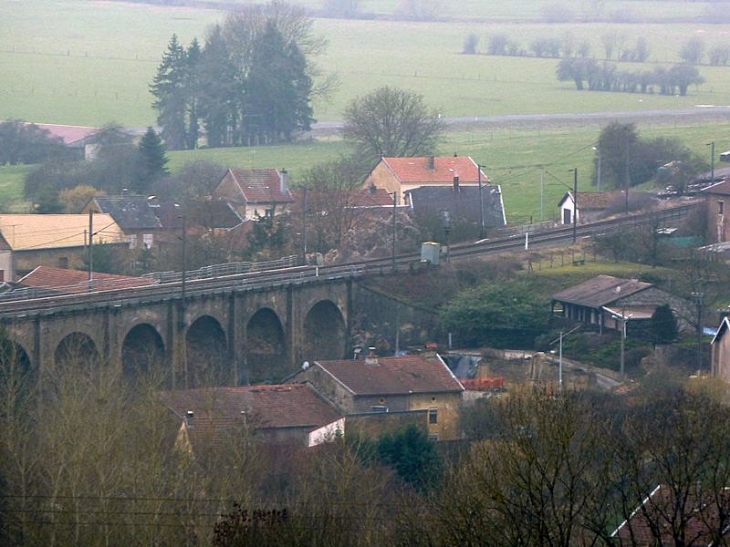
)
(217, 338)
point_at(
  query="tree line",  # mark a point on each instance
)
(251, 82)
(90, 460)
(605, 76)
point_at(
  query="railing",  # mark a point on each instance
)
(220, 270)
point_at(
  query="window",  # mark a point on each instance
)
(147, 240)
(433, 415)
(433, 437)
(63, 262)
(379, 408)
(133, 241)
(720, 207)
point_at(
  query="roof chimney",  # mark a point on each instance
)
(431, 163)
(456, 184)
(284, 179)
(372, 188)
(189, 418)
(372, 357)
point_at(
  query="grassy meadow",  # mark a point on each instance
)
(90, 62)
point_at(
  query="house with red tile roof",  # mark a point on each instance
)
(255, 192)
(590, 204)
(402, 174)
(421, 384)
(50, 280)
(293, 414)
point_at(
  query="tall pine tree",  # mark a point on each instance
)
(170, 90)
(152, 161)
(220, 99)
(277, 89)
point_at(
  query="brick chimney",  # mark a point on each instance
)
(456, 184)
(372, 357)
(431, 163)
(284, 179)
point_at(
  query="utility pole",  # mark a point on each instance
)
(542, 191)
(395, 202)
(304, 226)
(91, 255)
(481, 203)
(575, 203)
(712, 161)
(628, 171)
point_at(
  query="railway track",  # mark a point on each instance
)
(292, 275)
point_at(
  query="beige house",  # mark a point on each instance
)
(61, 241)
(409, 387)
(717, 198)
(400, 175)
(255, 192)
(721, 351)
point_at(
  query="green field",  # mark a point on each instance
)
(90, 62)
(87, 62)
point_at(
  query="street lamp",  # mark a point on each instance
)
(395, 203)
(446, 224)
(712, 161)
(575, 203)
(598, 167)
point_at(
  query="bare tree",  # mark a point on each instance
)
(540, 479)
(392, 122)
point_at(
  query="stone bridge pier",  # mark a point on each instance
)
(226, 337)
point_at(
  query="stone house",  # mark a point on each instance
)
(721, 351)
(417, 384)
(717, 199)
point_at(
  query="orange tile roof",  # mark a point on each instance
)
(77, 281)
(445, 168)
(27, 232)
(394, 375)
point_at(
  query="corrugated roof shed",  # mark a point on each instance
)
(600, 291)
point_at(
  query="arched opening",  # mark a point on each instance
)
(266, 354)
(143, 356)
(325, 335)
(78, 350)
(206, 354)
(17, 376)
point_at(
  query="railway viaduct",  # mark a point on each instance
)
(220, 333)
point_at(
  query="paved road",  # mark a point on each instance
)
(688, 115)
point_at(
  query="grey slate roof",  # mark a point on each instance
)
(600, 291)
(129, 212)
(462, 203)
